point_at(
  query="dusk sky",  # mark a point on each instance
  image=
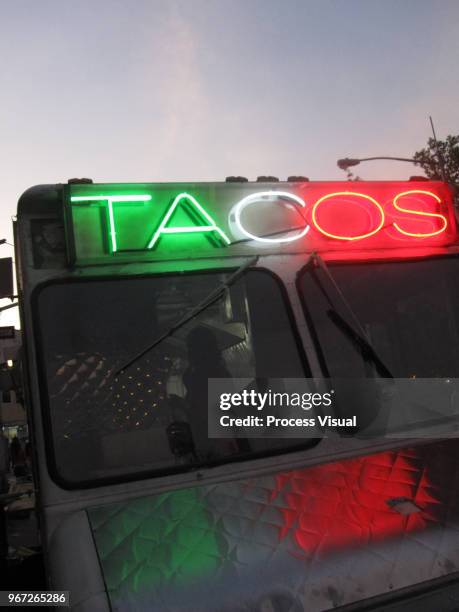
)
(164, 90)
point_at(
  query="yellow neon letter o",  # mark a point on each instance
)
(347, 193)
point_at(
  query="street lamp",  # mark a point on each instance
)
(347, 162)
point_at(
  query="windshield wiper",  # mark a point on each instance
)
(358, 337)
(368, 352)
(210, 299)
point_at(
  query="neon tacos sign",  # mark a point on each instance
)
(164, 219)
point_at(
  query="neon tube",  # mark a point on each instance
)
(111, 217)
(257, 197)
(347, 193)
(210, 227)
(418, 212)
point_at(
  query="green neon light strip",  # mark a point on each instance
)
(211, 227)
(110, 200)
(185, 230)
(112, 226)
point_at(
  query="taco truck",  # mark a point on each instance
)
(132, 296)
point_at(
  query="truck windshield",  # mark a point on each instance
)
(153, 416)
(409, 311)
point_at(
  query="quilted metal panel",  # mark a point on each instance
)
(309, 539)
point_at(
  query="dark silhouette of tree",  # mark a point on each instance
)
(440, 156)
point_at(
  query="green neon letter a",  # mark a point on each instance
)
(196, 213)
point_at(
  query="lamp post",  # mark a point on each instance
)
(348, 162)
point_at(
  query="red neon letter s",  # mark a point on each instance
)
(420, 213)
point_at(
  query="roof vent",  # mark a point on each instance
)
(298, 179)
(267, 179)
(79, 181)
(236, 179)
